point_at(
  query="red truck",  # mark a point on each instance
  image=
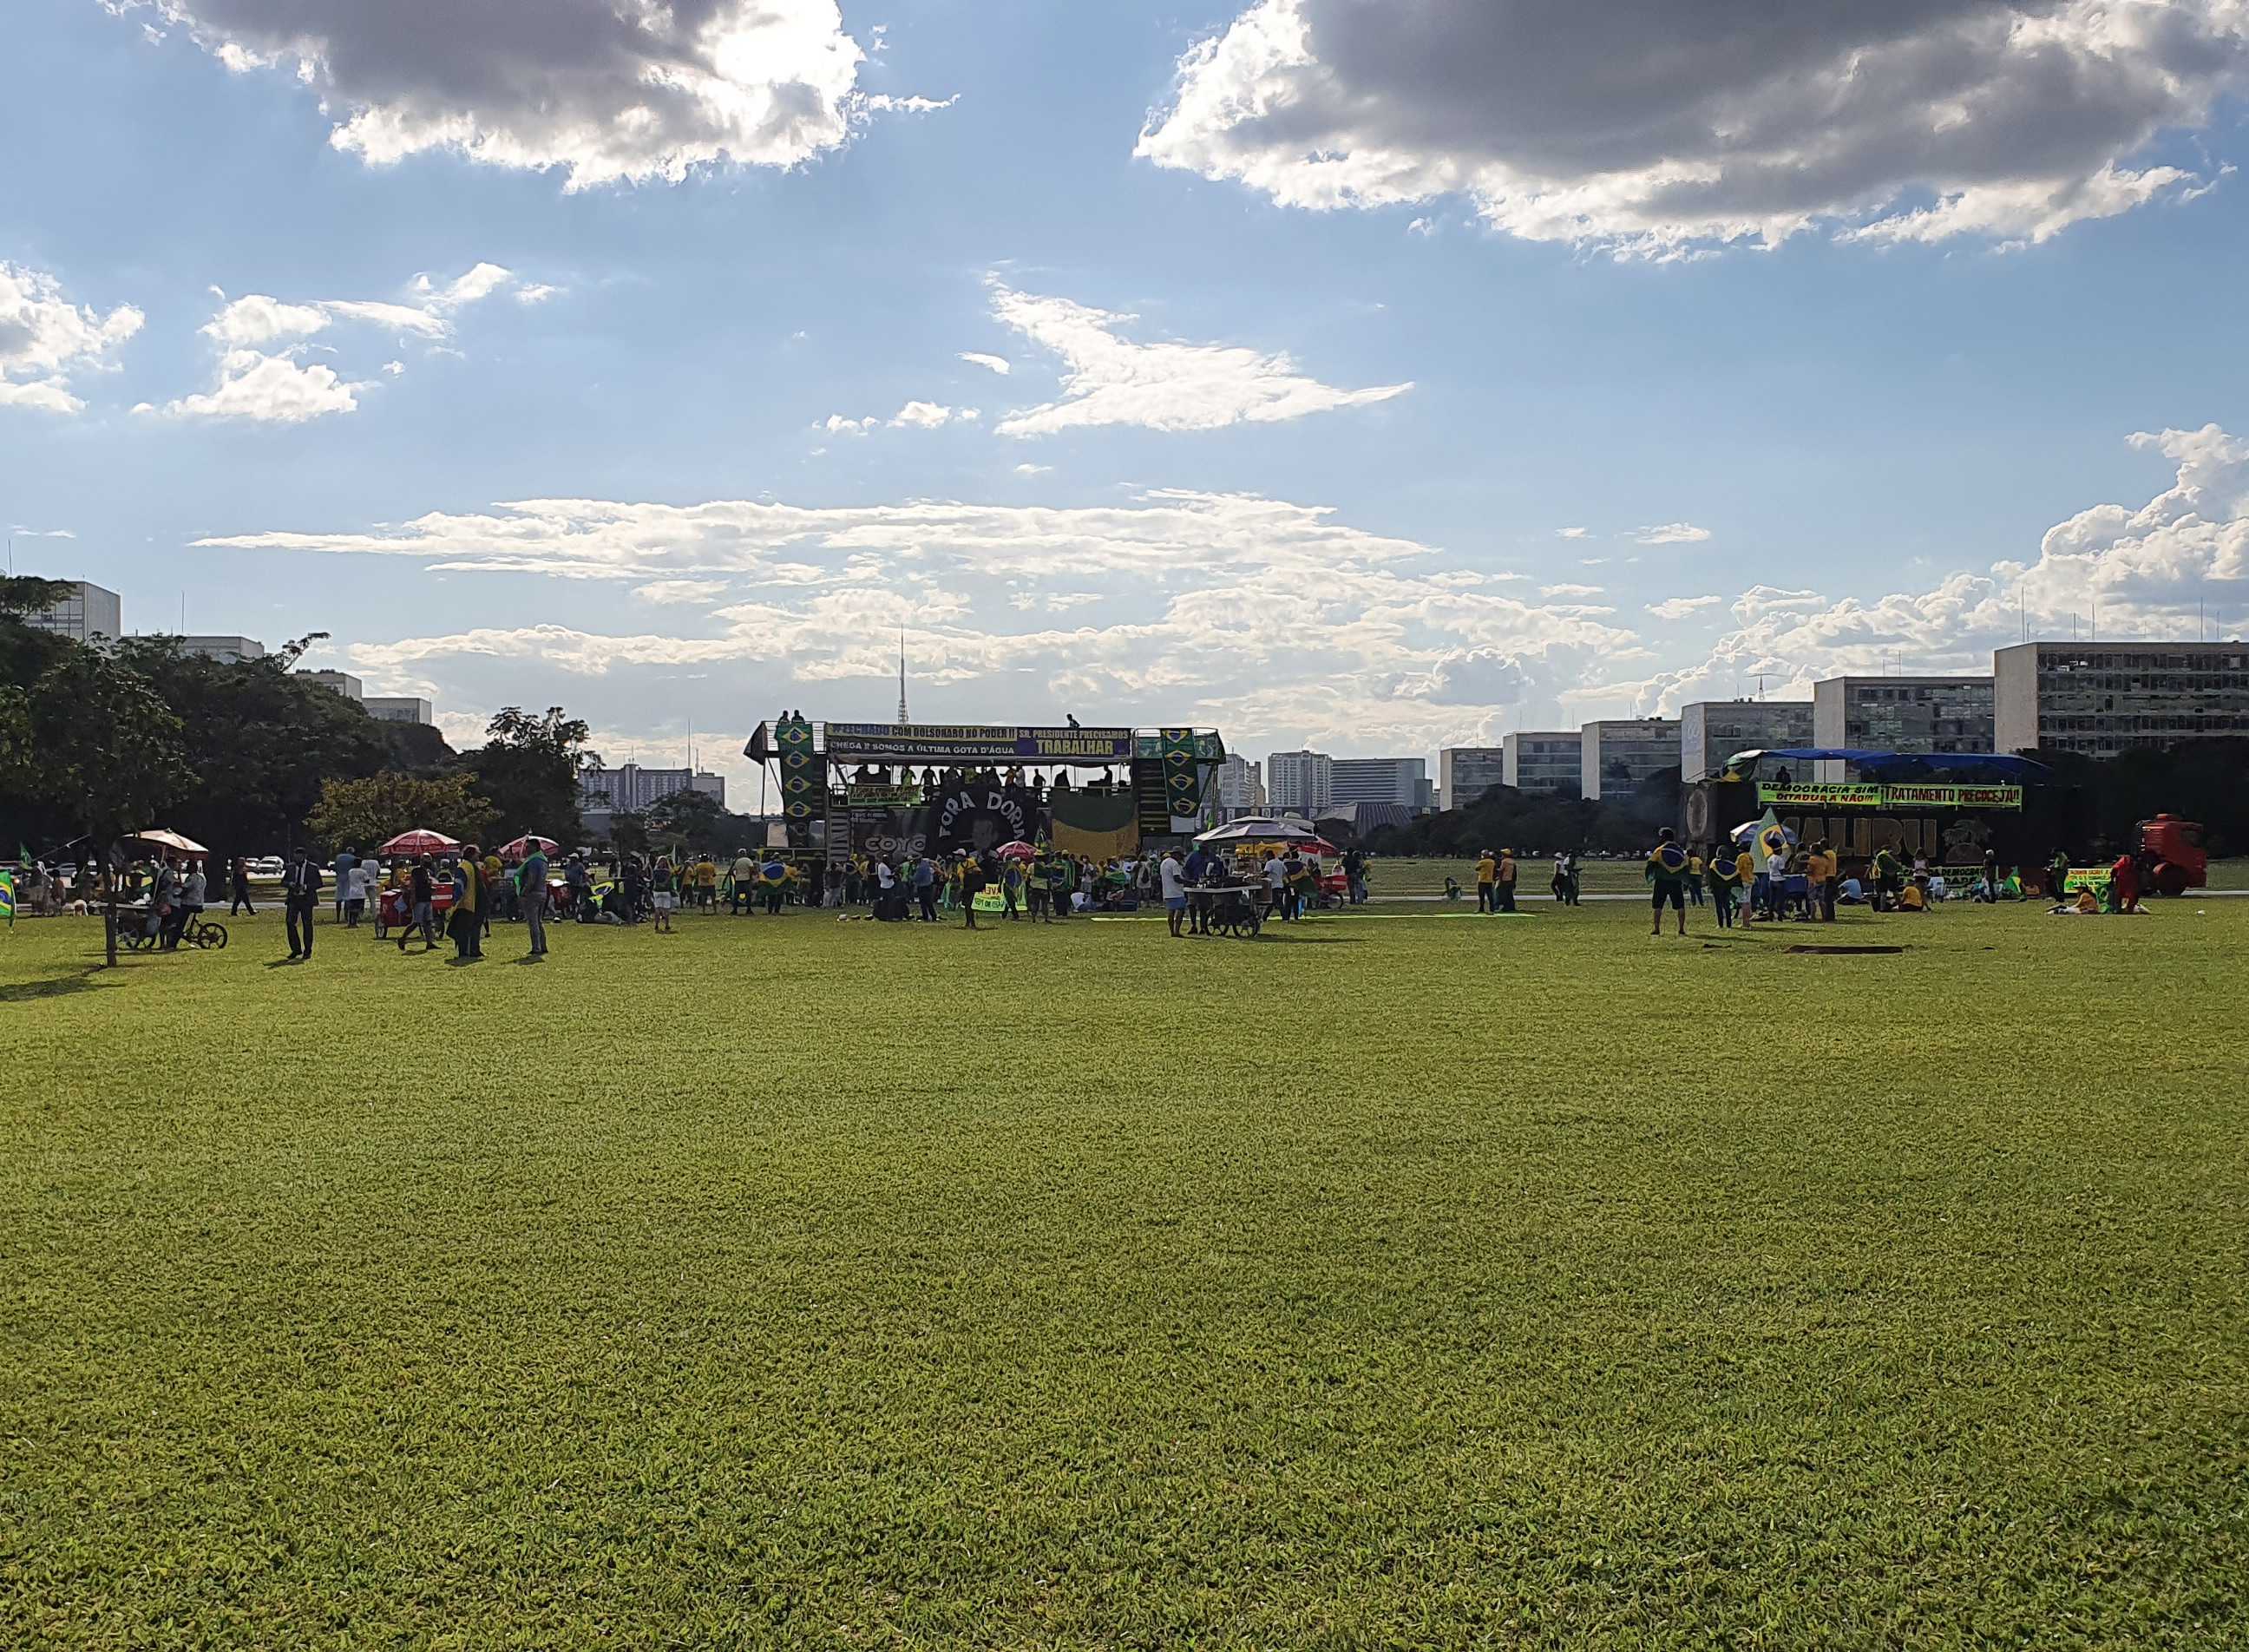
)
(2174, 848)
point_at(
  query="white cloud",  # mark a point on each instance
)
(1110, 380)
(268, 390)
(668, 593)
(1678, 608)
(998, 364)
(927, 415)
(395, 369)
(1659, 129)
(473, 285)
(1032, 470)
(256, 318)
(44, 338)
(535, 292)
(1671, 533)
(2150, 570)
(1569, 590)
(603, 90)
(1572, 533)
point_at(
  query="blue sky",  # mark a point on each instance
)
(1486, 373)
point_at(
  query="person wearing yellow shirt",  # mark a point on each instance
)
(1819, 872)
(1745, 877)
(1486, 882)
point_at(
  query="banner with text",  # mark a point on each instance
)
(1861, 795)
(977, 743)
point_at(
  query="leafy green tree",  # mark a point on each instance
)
(367, 813)
(260, 738)
(528, 768)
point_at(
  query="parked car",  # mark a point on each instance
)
(264, 866)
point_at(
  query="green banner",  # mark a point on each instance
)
(872, 796)
(1859, 794)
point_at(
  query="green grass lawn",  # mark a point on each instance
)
(1409, 1279)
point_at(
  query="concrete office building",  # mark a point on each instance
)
(2101, 698)
(1403, 780)
(1928, 714)
(1466, 773)
(630, 790)
(231, 650)
(397, 708)
(343, 682)
(1241, 786)
(1711, 730)
(87, 612)
(1615, 759)
(1544, 761)
(1299, 782)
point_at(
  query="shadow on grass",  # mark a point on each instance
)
(1271, 939)
(76, 980)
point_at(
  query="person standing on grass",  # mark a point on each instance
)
(924, 883)
(1172, 876)
(532, 879)
(345, 884)
(1486, 882)
(466, 921)
(1504, 890)
(1718, 873)
(2057, 874)
(661, 894)
(1011, 889)
(238, 878)
(1695, 877)
(301, 897)
(421, 906)
(1745, 881)
(1667, 878)
(972, 879)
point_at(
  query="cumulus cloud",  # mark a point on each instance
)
(44, 338)
(1032, 470)
(998, 364)
(1569, 590)
(914, 415)
(1671, 533)
(668, 593)
(1571, 532)
(266, 389)
(1678, 608)
(1659, 128)
(2148, 569)
(600, 90)
(1110, 380)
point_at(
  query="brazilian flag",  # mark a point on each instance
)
(1667, 863)
(7, 895)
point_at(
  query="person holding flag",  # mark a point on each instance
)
(1666, 878)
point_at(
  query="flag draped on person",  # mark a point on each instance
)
(7, 895)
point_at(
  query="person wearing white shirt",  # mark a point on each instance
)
(1173, 877)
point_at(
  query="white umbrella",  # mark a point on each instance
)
(1259, 828)
(171, 840)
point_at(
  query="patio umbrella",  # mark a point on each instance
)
(520, 848)
(1016, 851)
(170, 840)
(1261, 829)
(420, 841)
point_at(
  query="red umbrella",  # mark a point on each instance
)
(520, 848)
(1017, 850)
(420, 841)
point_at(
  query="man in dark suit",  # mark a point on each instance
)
(300, 895)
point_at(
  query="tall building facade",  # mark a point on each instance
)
(231, 651)
(342, 681)
(2101, 699)
(1402, 781)
(1299, 782)
(1241, 787)
(1925, 714)
(1466, 773)
(1711, 730)
(630, 790)
(397, 708)
(87, 612)
(1616, 757)
(1544, 761)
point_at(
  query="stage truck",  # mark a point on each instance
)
(1946, 807)
(894, 789)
